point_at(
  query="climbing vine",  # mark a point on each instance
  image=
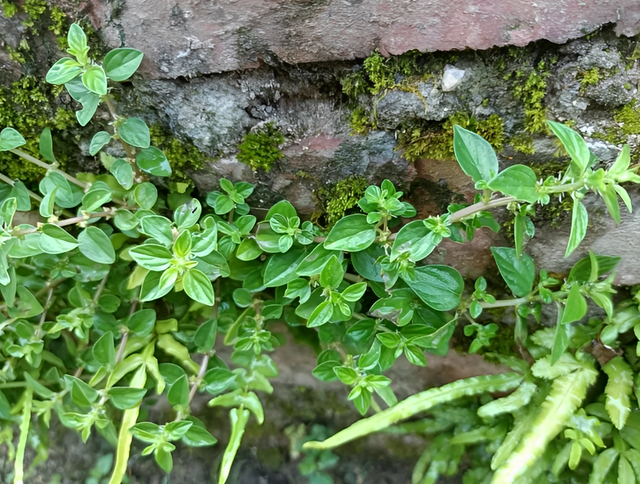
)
(122, 293)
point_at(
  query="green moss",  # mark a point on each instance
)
(28, 106)
(337, 200)
(9, 8)
(360, 121)
(380, 73)
(523, 143)
(492, 129)
(423, 139)
(182, 156)
(629, 118)
(589, 78)
(531, 91)
(260, 149)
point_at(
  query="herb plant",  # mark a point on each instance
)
(123, 292)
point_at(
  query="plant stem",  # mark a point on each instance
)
(49, 167)
(479, 207)
(114, 116)
(68, 221)
(10, 182)
(18, 477)
(506, 303)
(125, 336)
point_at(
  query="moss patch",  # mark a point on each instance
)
(28, 105)
(433, 140)
(182, 156)
(339, 199)
(260, 149)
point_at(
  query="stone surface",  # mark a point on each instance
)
(188, 38)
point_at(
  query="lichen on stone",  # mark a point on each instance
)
(260, 149)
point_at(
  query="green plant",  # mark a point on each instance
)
(260, 149)
(81, 339)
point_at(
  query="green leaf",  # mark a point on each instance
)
(123, 173)
(611, 202)
(90, 104)
(5, 407)
(576, 306)
(141, 323)
(316, 260)
(81, 393)
(135, 132)
(151, 256)
(517, 181)
(125, 397)
(10, 139)
(99, 140)
(47, 204)
(618, 390)
(198, 287)
(188, 214)
(20, 193)
(365, 262)
(321, 314)
(418, 403)
(205, 336)
(354, 292)
(602, 465)
(159, 228)
(416, 239)
(46, 145)
(248, 250)
(153, 161)
(518, 273)
(146, 195)
(55, 240)
(440, 287)
(162, 456)
(121, 64)
(474, 154)
(281, 268)
(565, 397)
(575, 146)
(77, 40)
(95, 80)
(239, 418)
(103, 350)
(332, 273)
(197, 435)
(179, 392)
(63, 71)
(98, 195)
(95, 245)
(581, 270)
(351, 233)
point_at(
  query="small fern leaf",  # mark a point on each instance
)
(566, 396)
(618, 390)
(522, 424)
(511, 403)
(543, 368)
(420, 402)
(603, 465)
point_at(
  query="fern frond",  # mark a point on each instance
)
(566, 396)
(511, 403)
(618, 391)
(420, 402)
